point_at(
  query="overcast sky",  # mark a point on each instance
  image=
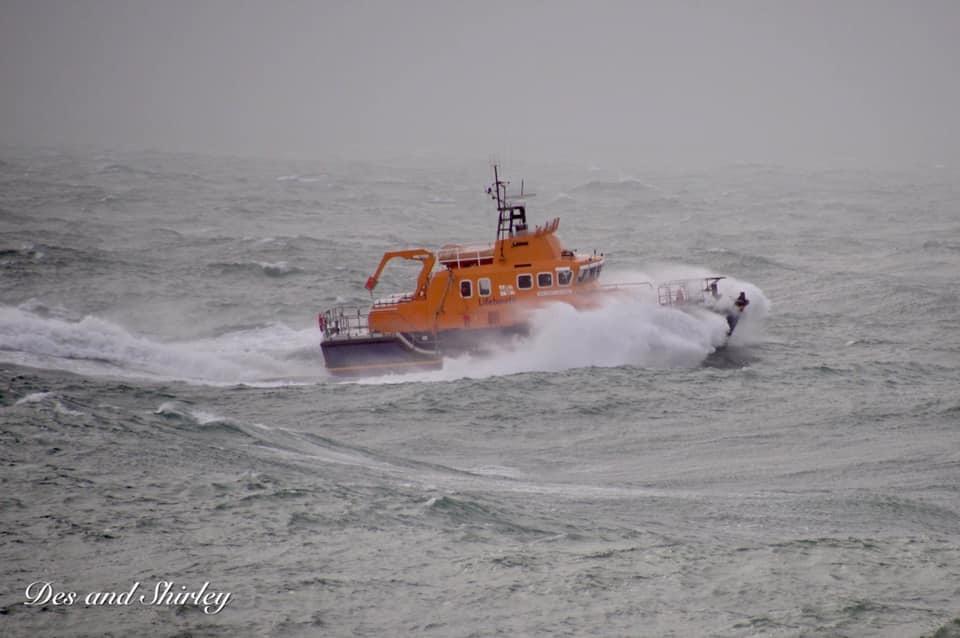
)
(680, 81)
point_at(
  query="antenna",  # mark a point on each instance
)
(512, 217)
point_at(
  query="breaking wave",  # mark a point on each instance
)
(270, 269)
(303, 179)
(624, 185)
(59, 404)
(271, 354)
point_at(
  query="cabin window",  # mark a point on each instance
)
(544, 279)
(524, 282)
(483, 287)
(466, 289)
(588, 272)
(564, 276)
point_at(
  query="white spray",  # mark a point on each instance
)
(272, 353)
(632, 330)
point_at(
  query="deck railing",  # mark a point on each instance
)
(355, 322)
(465, 256)
(684, 291)
(351, 322)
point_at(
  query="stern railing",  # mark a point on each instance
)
(680, 292)
(340, 321)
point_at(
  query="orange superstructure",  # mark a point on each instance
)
(487, 286)
(465, 295)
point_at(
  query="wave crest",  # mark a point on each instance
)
(270, 354)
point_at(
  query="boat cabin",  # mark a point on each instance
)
(472, 286)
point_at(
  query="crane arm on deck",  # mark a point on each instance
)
(427, 258)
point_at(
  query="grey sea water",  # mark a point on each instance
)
(165, 416)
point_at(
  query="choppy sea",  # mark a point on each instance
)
(166, 421)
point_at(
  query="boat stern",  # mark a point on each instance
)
(351, 349)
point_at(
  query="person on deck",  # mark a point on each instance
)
(741, 301)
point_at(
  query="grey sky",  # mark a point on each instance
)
(639, 81)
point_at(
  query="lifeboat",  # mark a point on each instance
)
(469, 296)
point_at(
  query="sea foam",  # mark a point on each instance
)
(629, 330)
(268, 354)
